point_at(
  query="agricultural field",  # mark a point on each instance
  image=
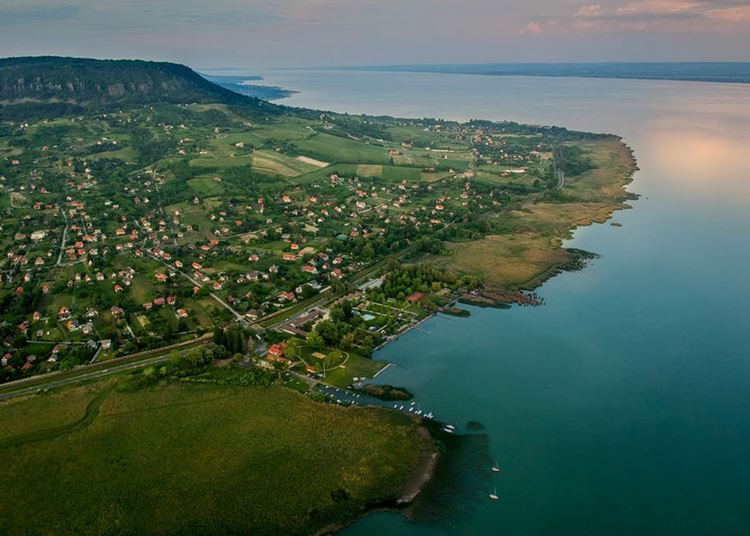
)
(202, 459)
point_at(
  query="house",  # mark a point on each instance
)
(182, 313)
(289, 257)
(277, 350)
(415, 298)
(309, 269)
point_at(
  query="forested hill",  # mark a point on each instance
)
(64, 85)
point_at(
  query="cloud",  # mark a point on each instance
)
(659, 15)
(25, 15)
(533, 28)
(590, 10)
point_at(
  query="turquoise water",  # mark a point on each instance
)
(621, 406)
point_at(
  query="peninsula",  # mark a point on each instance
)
(188, 274)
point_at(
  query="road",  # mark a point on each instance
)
(64, 237)
(559, 173)
(114, 369)
(127, 362)
(240, 318)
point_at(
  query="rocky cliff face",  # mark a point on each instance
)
(102, 83)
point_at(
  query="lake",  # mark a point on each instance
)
(622, 405)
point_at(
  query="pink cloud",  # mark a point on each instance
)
(533, 28)
(590, 10)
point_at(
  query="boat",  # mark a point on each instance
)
(494, 496)
(446, 429)
(495, 468)
(429, 415)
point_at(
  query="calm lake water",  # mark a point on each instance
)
(622, 405)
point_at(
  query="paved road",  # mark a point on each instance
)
(64, 238)
(114, 369)
(240, 318)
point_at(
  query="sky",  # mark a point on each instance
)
(260, 34)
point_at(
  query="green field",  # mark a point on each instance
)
(196, 459)
(276, 163)
(335, 149)
(354, 367)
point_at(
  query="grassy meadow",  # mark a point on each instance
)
(196, 459)
(528, 248)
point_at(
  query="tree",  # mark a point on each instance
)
(315, 341)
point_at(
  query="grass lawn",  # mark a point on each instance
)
(196, 459)
(355, 367)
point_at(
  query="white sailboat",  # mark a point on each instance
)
(494, 496)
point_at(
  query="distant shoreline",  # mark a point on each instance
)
(712, 72)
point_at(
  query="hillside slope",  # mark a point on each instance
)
(67, 85)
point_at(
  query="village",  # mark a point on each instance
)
(131, 231)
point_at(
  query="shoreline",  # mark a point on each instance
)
(426, 467)
(420, 477)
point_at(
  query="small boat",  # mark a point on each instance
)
(450, 426)
(494, 496)
(446, 429)
(495, 468)
(429, 415)
(402, 407)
